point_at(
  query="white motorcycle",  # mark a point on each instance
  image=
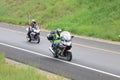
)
(34, 35)
(64, 46)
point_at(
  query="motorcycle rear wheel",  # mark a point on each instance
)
(38, 39)
(55, 55)
(28, 39)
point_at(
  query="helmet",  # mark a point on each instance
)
(58, 30)
(34, 21)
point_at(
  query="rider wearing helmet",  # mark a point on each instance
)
(32, 25)
(57, 38)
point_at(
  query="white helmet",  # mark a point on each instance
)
(34, 21)
(58, 30)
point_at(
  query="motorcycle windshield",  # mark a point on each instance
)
(66, 36)
(36, 30)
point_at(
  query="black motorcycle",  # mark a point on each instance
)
(34, 35)
(64, 46)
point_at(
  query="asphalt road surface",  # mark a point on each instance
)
(92, 59)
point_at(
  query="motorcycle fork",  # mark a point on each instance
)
(62, 53)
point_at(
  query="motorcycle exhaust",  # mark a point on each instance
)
(51, 50)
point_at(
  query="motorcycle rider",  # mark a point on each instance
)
(32, 25)
(57, 39)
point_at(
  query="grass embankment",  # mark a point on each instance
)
(95, 18)
(12, 72)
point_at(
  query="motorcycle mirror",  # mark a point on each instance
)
(72, 36)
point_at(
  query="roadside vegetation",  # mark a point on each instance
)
(94, 18)
(12, 72)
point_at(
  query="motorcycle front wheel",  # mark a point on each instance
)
(68, 56)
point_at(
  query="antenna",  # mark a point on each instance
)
(28, 16)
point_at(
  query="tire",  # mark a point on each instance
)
(68, 56)
(28, 39)
(38, 39)
(53, 52)
(55, 55)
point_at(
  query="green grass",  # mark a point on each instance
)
(97, 18)
(44, 11)
(94, 18)
(12, 72)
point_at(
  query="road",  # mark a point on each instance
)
(92, 59)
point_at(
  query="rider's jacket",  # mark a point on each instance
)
(57, 38)
(32, 26)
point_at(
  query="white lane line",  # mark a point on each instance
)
(32, 52)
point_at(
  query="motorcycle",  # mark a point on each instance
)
(34, 35)
(64, 46)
